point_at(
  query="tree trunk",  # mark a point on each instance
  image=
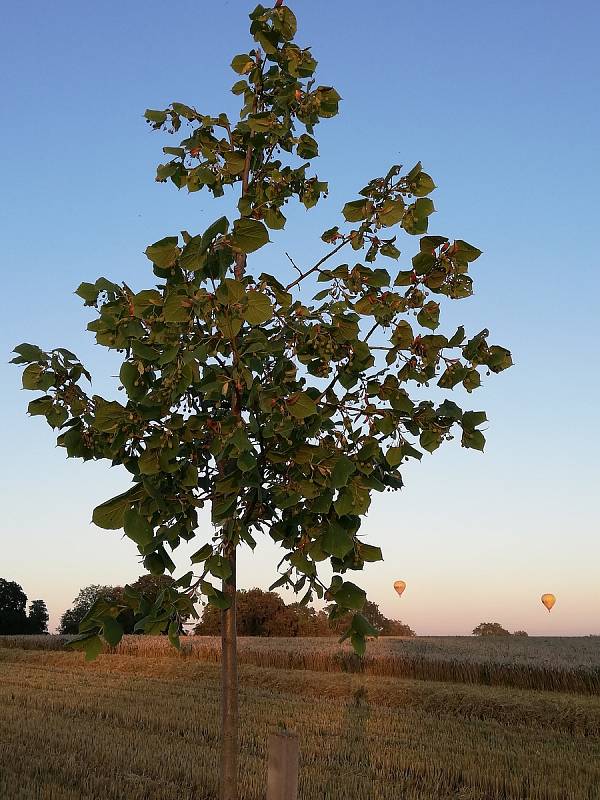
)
(229, 692)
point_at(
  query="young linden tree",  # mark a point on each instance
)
(279, 409)
(281, 413)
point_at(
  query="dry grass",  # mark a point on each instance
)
(550, 664)
(131, 728)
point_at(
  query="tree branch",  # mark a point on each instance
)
(316, 266)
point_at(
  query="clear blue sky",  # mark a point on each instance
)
(499, 101)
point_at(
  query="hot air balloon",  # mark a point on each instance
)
(548, 600)
(399, 586)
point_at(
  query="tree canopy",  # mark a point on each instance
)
(13, 605)
(14, 618)
(261, 613)
(37, 618)
(490, 629)
(148, 586)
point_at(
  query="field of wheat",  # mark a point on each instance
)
(144, 726)
(551, 664)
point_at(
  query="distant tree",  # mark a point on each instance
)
(520, 633)
(381, 624)
(261, 613)
(394, 627)
(13, 603)
(37, 619)
(86, 597)
(307, 622)
(490, 629)
(256, 613)
(147, 586)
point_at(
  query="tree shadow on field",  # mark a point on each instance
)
(350, 755)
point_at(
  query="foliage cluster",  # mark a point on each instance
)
(148, 586)
(14, 617)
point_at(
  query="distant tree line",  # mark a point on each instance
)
(262, 613)
(259, 613)
(14, 617)
(495, 629)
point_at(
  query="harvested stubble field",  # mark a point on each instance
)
(142, 724)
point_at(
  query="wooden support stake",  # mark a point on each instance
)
(282, 781)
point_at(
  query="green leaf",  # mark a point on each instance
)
(343, 469)
(356, 210)
(394, 456)
(473, 439)
(391, 213)
(217, 228)
(137, 527)
(26, 353)
(499, 358)
(465, 252)
(307, 147)
(112, 631)
(301, 405)
(259, 308)
(458, 337)
(285, 22)
(88, 292)
(91, 644)
(352, 499)
(130, 378)
(218, 566)
(452, 376)
(275, 219)
(231, 292)
(109, 416)
(163, 253)
(390, 250)
(449, 409)
(249, 235)
(403, 336)
(201, 555)
(218, 599)
(302, 563)
(422, 185)
(192, 256)
(36, 376)
(362, 626)
(229, 325)
(242, 64)
(430, 440)
(429, 315)
(471, 419)
(246, 461)
(350, 596)
(41, 406)
(111, 514)
(472, 380)
(369, 552)
(154, 564)
(157, 117)
(221, 507)
(174, 634)
(176, 308)
(336, 541)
